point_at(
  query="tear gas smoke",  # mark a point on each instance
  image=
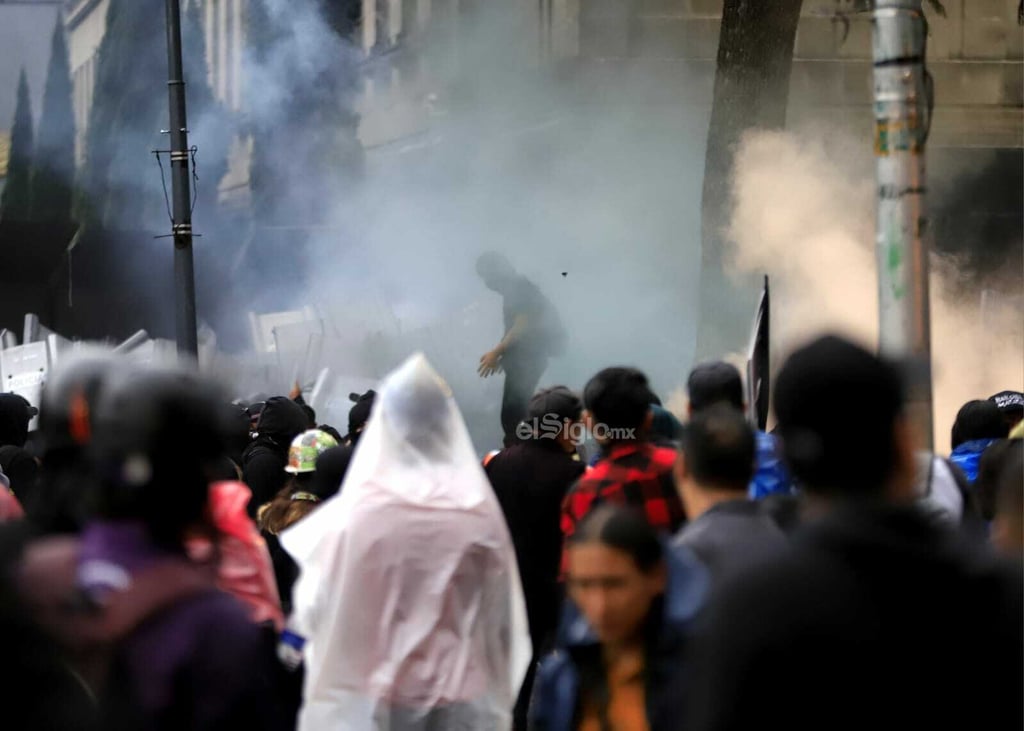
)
(474, 147)
(804, 212)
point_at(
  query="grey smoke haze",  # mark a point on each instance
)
(513, 158)
(594, 173)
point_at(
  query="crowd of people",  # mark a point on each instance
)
(172, 560)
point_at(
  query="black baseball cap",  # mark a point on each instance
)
(359, 414)
(16, 402)
(557, 400)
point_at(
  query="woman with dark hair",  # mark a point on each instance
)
(305, 492)
(618, 664)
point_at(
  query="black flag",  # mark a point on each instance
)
(758, 365)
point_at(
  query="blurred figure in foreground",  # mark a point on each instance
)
(10, 508)
(244, 566)
(726, 530)
(530, 480)
(409, 599)
(145, 627)
(876, 612)
(38, 689)
(619, 662)
(62, 502)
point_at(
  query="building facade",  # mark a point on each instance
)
(975, 53)
(86, 23)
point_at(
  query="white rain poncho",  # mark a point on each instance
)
(409, 597)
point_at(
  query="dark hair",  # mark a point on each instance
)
(619, 398)
(291, 504)
(331, 467)
(557, 400)
(837, 407)
(719, 448)
(978, 420)
(715, 382)
(623, 529)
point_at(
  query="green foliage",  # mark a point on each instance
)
(14, 205)
(53, 167)
(121, 185)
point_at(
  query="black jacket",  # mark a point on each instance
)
(877, 619)
(531, 480)
(264, 460)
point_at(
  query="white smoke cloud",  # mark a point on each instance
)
(501, 154)
(804, 213)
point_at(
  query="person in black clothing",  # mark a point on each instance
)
(20, 467)
(359, 414)
(877, 618)
(530, 480)
(264, 460)
(726, 530)
(533, 333)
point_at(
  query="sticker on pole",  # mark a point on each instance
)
(896, 135)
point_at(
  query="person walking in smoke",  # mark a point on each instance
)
(533, 333)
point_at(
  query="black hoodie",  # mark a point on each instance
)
(264, 460)
(19, 466)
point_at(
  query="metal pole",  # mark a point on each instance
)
(902, 114)
(184, 278)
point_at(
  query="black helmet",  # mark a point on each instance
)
(64, 496)
(158, 433)
(70, 397)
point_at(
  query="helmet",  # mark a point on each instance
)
(70, 397)
(65, 494)
(306, 448)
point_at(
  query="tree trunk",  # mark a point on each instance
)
(755, 54)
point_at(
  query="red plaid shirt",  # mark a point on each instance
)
(638, 474)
